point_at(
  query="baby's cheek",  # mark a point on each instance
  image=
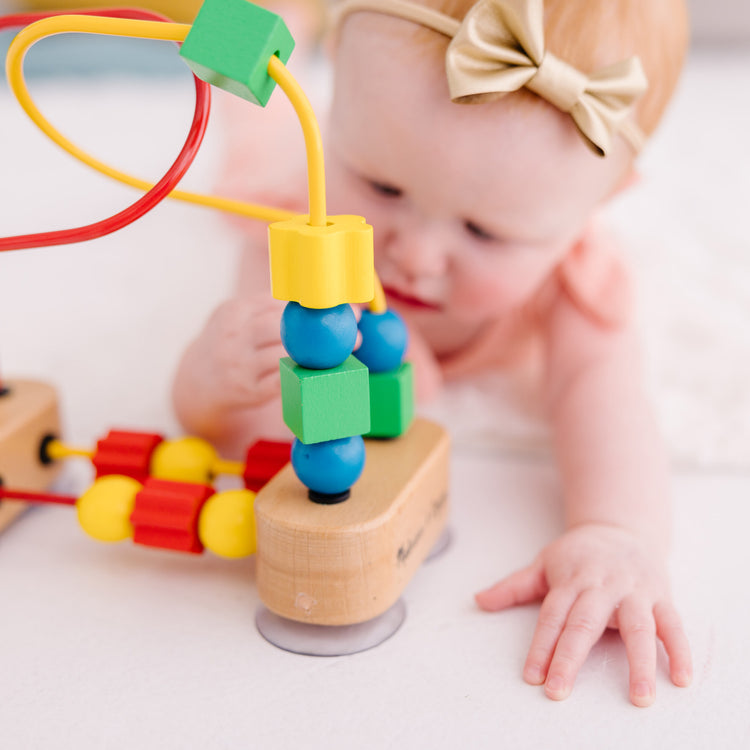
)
(486, 295)
(493, 289)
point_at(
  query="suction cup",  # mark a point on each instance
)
(329, 640)
(441, 546)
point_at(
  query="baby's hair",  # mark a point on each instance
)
(589, 34)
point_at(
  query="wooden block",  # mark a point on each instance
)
(9, 512)
(322, 266)
(28, 413)
(321, 405)
(347, 563)
(230, 44)
(391, 401)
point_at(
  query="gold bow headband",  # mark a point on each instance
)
(499, 48)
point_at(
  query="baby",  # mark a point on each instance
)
(480, 139)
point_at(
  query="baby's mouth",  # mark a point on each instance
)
(409, 300)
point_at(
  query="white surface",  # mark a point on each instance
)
(119, 647)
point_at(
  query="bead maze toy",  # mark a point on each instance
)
(341, 518)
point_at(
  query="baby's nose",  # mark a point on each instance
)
(419, 250)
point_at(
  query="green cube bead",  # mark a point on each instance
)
(230, 44)
(323, 405)
(391, 401)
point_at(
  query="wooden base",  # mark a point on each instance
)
(28, 412)
(347, 563)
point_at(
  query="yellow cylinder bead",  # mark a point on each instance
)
(187, 459)
(227, 524)
(104, 509)
(322, 266)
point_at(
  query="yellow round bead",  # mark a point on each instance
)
(227, 524)
(187, 459)
(104, 509)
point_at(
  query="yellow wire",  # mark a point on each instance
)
(113, 27)
(56, 450)
(223, 466)
(315, 162)
(378, 304)
(313, 142)
(175, 32)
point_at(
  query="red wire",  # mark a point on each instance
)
(136, 14)
(36, 497)
(159, 191)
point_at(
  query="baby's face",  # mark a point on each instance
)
(473, 206)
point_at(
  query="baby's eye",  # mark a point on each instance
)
(383, 188)
(476, 231)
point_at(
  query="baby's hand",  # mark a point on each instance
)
(240, 348)
(593, 577)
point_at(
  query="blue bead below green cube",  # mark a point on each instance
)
(329, 469)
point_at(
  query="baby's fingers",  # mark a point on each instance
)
(584, 626)
(638, 631)
(552, 616)
(671, 633)
(522, 587)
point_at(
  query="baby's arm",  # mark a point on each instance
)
(609, 568)
(227, 384)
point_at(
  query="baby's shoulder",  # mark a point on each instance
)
(593, 276)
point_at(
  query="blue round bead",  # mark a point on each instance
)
(330, 467)
(318, 339)
(384, 340)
